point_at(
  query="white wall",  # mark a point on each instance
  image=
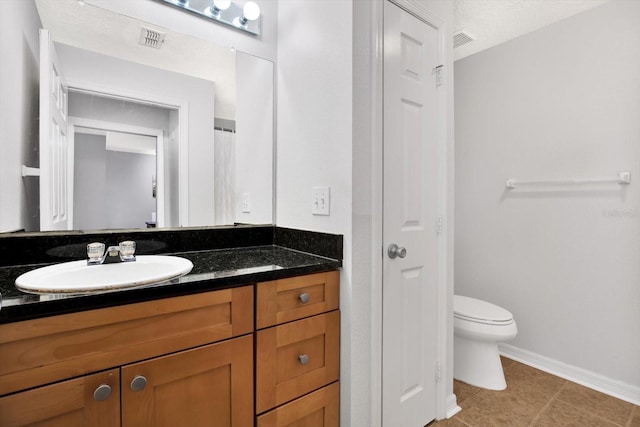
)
(364, 221)
(254, 139)
(139, 80)
(19, 81)
(562, 102)
(89, 183)
(102, 108)
(112, 189)
(314, 140)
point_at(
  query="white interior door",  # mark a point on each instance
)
(55, 197)
(410, 197)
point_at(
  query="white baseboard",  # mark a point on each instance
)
(452, 406)
(619, 389)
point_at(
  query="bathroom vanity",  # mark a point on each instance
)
(249, 337)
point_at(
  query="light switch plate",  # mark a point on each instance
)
(321, 200)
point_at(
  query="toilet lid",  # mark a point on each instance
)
(479, 311)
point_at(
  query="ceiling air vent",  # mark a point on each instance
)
(151, 38)
(462, 37)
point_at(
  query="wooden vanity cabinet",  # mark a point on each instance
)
(298, 351)
(181, 361)
(165, 360)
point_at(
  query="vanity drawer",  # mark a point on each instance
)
(285, 300)
(318, 409)
(42, 351)
(296, 358)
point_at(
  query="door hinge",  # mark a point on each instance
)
(439, 72)
(439, 225)
(438, 374)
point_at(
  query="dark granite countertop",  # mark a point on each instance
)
(213, 269)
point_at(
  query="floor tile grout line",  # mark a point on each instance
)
(551, 399)
(465, 423)
(474, 388)
(476, 391)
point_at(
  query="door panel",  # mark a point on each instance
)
(55, 155)
(410, 194)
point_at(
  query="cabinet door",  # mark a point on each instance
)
(210, 385)
(90, 401)
(296, 358)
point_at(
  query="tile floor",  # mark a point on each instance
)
(535, 398)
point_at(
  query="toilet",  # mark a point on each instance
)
(478, 326)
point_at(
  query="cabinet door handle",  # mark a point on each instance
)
(303, 359)
(138, 383)
(102, 392)
(304, 297)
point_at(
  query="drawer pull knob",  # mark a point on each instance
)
(102, 392)
(138, 383)
(304, 298)
(303, 359)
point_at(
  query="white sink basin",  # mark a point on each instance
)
(78, 277)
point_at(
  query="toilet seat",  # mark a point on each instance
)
(478, 311)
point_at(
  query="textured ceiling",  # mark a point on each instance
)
(493, 22)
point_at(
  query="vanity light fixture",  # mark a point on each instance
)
(244, 16)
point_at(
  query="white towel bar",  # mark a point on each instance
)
(623, 178)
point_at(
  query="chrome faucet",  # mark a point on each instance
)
(124, 252)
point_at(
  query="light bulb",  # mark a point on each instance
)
(222, 4)
(250, 11)
(217, 7)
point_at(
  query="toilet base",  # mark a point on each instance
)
(478, 363)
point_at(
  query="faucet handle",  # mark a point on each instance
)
(95, 250)
(127, 250)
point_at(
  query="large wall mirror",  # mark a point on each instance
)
(110, 122)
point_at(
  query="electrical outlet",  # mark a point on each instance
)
(321, 200)
(246, 203)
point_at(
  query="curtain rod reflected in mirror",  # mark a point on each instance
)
(244, 18)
